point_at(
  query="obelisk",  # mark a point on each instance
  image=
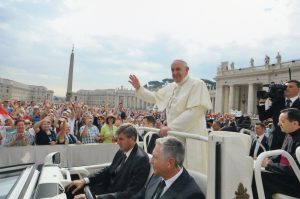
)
(70, 79)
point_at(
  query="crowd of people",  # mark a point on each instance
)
(29, 123)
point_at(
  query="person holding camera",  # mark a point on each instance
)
(89, 132)
(270, 108)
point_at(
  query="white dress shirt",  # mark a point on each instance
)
(258, 142)
(170, 181)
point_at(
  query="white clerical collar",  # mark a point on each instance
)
(170, 181)
(183, 81)
(293, 99)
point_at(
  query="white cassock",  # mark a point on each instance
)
(186, 104)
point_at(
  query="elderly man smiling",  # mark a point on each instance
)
(185, 101)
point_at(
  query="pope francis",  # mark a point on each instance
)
(185, 101)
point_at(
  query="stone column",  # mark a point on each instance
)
(117, 99)
(237, 98)
(213, 104)
(125, 101)
(140, 103)
(250, 99)
(144, 105)
(129, 102)
(231, 98)
(219, 99)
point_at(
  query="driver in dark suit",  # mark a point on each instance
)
(170, 179)
(127, 173)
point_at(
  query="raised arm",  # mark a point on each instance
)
(134, 81)
(36, 126)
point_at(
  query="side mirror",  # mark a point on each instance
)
(52, 158)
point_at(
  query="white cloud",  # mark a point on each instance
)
(115, 38)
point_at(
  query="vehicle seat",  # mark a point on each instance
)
(282, 196)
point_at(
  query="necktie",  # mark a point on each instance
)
(122, 162)
(256, 147)
(283, 160)
(159, 190)
(255, 140)
(288, 103)
(286, 142)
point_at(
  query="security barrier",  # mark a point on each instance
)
(71, 155)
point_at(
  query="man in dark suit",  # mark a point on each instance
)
(127, 173)
(259, 142)
(149, 121)
(289, 100)
(170, 179)
(280, 177)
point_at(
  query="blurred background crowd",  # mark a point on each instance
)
(28, 123)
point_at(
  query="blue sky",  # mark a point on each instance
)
(114, 38)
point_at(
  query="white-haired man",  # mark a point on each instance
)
(170, 179)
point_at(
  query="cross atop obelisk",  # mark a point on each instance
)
(70, 79)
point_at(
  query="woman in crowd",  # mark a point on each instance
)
(64, 136)
(108, 130)
(43, 134)
(63, 128)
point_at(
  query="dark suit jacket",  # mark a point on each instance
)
(291, 147)
(129, 180)
(264, 142)
(184, 187)
(151, 143)
(274, 112)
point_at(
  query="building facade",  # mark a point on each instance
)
(211, 86)
(111, 97)
(10, 89)
(236, 88)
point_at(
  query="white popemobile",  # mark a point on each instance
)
(230, 168)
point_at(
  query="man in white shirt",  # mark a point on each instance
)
(185, 101)
(170, 179)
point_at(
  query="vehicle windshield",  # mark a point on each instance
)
(6, 183)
